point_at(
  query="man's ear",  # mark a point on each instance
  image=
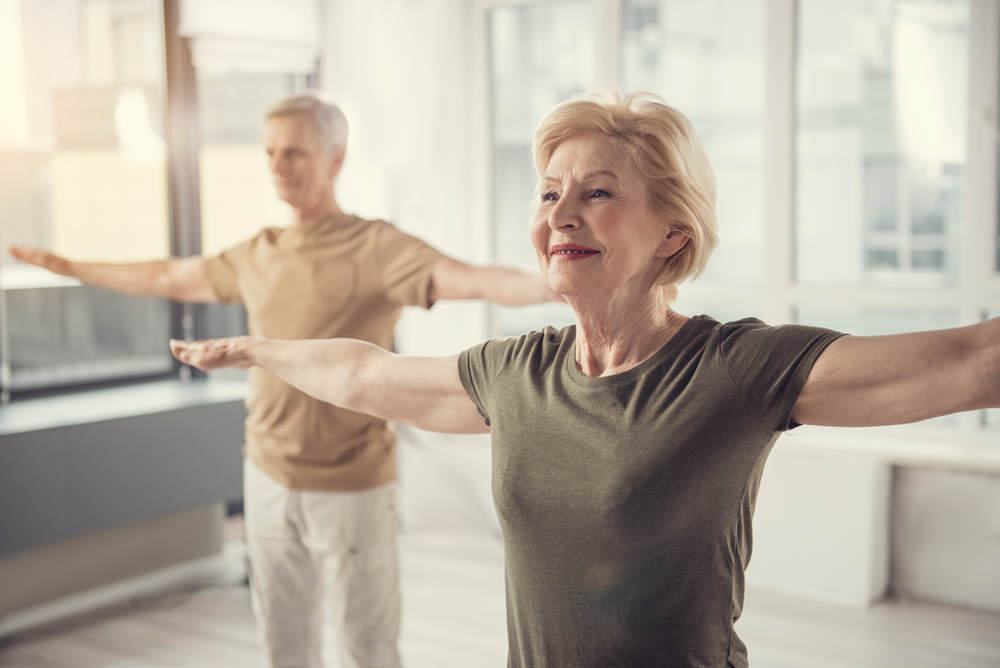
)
(672, 242)
(337, 159)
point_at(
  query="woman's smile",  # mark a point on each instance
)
(571, 252)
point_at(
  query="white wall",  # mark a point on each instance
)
(946, 537)
(821, 526)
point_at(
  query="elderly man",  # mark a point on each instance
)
(319, 480)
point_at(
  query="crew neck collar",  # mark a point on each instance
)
(680, 338)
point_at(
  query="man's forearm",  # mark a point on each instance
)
(511, 287)
(136, 278)
(457, 280)
(180, 279)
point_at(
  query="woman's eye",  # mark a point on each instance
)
(597, 192)
(549, 197)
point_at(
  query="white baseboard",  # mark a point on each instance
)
(811, 594)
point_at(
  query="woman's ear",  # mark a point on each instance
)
(672, 243)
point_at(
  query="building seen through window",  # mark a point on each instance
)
(881, 135)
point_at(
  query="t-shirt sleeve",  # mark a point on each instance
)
(222, 271)
(769, 365)
(480, 366)
(406, 265)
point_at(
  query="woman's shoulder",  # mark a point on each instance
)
(535, 349)
(704, 331)
(543, 341)
(753, 336)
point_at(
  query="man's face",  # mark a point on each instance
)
(303, 172)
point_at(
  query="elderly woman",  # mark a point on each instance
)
(628, 448)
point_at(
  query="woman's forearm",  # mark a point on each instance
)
(424, 392)
(325, 369)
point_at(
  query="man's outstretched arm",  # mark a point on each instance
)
(423, 392)
(452, 279)
(179, 279)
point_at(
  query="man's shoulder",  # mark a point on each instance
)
(348, 225)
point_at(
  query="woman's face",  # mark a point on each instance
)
(594, 231)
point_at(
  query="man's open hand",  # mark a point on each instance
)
(41, 258)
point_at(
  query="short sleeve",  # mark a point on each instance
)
(222, 271)
(769, 365)
(480, 366)
(406, 265)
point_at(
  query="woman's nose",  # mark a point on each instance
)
(564, 215)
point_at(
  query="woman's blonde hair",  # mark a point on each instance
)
(663, 147)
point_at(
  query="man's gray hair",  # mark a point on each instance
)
(329, 119)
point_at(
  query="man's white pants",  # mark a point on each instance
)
(309, 547)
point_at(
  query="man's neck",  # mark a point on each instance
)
(310, 215)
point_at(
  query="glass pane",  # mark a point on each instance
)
(872, 321)
(706, 57)
(237, 194)
(82, 172)
(540, 55)
(68, 335)
(881, 132)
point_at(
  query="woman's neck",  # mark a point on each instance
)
(618, 336)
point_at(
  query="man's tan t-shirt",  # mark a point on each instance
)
(344, 277)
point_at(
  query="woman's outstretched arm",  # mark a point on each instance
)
(861, 381)
(423, 392)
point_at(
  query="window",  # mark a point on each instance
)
(838, 131)
(84, 168)
(237, 194)
(707, 59)
(881, 135)
(83, 164)
(239, 69)
(540, 55)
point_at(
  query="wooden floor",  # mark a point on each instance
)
(453, 617)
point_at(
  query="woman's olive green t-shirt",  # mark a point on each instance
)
(626, 500)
